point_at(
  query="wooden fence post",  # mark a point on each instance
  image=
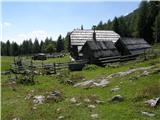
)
(54, 67)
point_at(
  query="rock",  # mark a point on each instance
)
(5, 72)
(99, 102)
(39, 99)
(153, 102)
(32, 91)
(58, 110)
(94, 116)
(35, 72)
(145, 73)
(121, 74)
(91, 106)
(148, 114)
(78, 104)
(28, 96)
(16, 118)
(85, 83)
(34, 108)
(54, 96)
(60, 117)
(56, 93)
(117, 98)
(102, 83)
(134, 78)
(115, 89)
(13, 79)
(70, 82)
(86, 100)
(93, 83)
(73, 100)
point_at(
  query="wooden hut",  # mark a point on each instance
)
(39, 56)
(78, 38)
(132, 46)
(100, 52)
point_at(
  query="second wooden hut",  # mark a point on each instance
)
(132, 46)
(100, 52)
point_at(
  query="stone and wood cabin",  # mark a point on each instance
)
(79, 37)
(132, 46)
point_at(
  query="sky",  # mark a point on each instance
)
(24, 20)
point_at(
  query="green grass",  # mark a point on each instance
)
(134, 92)
(6, 62)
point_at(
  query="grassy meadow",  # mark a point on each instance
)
(135, 92)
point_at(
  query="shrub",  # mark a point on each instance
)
(148, 92)
(91, 67)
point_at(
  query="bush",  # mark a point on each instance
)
(150, 91)
(91, 67)
(27, 79)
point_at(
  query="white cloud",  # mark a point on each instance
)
(22, 35)
(39, 34)
(126, 14)
(7, 24)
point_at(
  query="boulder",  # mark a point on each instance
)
(86, 100)
(117, 98)
(94, 116)
(125, 73)
(93, 83)
(60, 117)
(145, 73)
(153, 102)
(55, 96)
(58, 110)
(78, 104)
(148, 114)
(99, 101)
(91, 106)
(39, 99)
(5, 72)
(28, 96)
(73, 100)
(115, 89)
(15, 118)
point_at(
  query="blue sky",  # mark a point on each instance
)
(23, 20)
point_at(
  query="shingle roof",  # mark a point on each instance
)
(102, 48)
(79, 37)
(135, 45)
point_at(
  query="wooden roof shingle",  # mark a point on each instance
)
(79, 37)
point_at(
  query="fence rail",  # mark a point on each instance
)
(50, 68)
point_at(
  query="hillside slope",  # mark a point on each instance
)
(79, 103)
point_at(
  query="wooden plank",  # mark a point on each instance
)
(108, 58)
(110, 61)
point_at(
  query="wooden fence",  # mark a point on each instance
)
(50, 68)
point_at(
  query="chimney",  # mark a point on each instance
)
(94, 33)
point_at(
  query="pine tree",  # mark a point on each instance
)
(30, 46)
(156, 29)
(81, 27)
(142, 20)
(8, 48)
(36, 46)
(50, 48)
(116, 25)
(66, 43)
(60, 44)
(3, 49)
(100, 26)
(14, 49)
